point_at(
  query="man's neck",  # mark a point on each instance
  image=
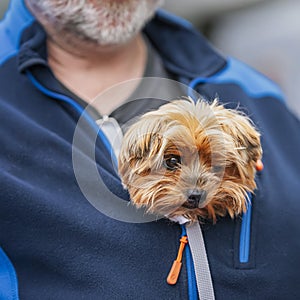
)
(92, 70)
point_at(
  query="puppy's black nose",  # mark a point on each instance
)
(195, 197)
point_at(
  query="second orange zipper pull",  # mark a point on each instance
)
(176, 267)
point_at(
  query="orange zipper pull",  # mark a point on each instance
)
(176, 267)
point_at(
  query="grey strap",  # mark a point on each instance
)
(202, 271)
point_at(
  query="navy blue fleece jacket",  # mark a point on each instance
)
(60, 247)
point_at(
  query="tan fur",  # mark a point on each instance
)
(218, 148)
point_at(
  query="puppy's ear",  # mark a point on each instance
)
(246, 139)
(246, 148)
(140, 147)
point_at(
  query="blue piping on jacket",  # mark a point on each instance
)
(246, 232)
(192, 284)
(78, 108)
(8, 279)
(254, 84)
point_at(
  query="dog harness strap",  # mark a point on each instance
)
(202, 271)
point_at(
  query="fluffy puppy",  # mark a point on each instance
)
(191, 160)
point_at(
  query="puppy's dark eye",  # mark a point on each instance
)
(172, 162)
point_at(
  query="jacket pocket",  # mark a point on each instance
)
(245, 234)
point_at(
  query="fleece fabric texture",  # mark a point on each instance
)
(63, 248)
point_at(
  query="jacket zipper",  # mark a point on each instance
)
(192, 285)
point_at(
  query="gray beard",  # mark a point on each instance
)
(103, 22)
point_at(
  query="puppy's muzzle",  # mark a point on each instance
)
(195, 198)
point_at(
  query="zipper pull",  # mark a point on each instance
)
(176, 267)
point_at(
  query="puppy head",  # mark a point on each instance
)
(192, 160)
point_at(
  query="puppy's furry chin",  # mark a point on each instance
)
(194, 160)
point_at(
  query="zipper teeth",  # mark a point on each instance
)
(245, 233)
(192, 285)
